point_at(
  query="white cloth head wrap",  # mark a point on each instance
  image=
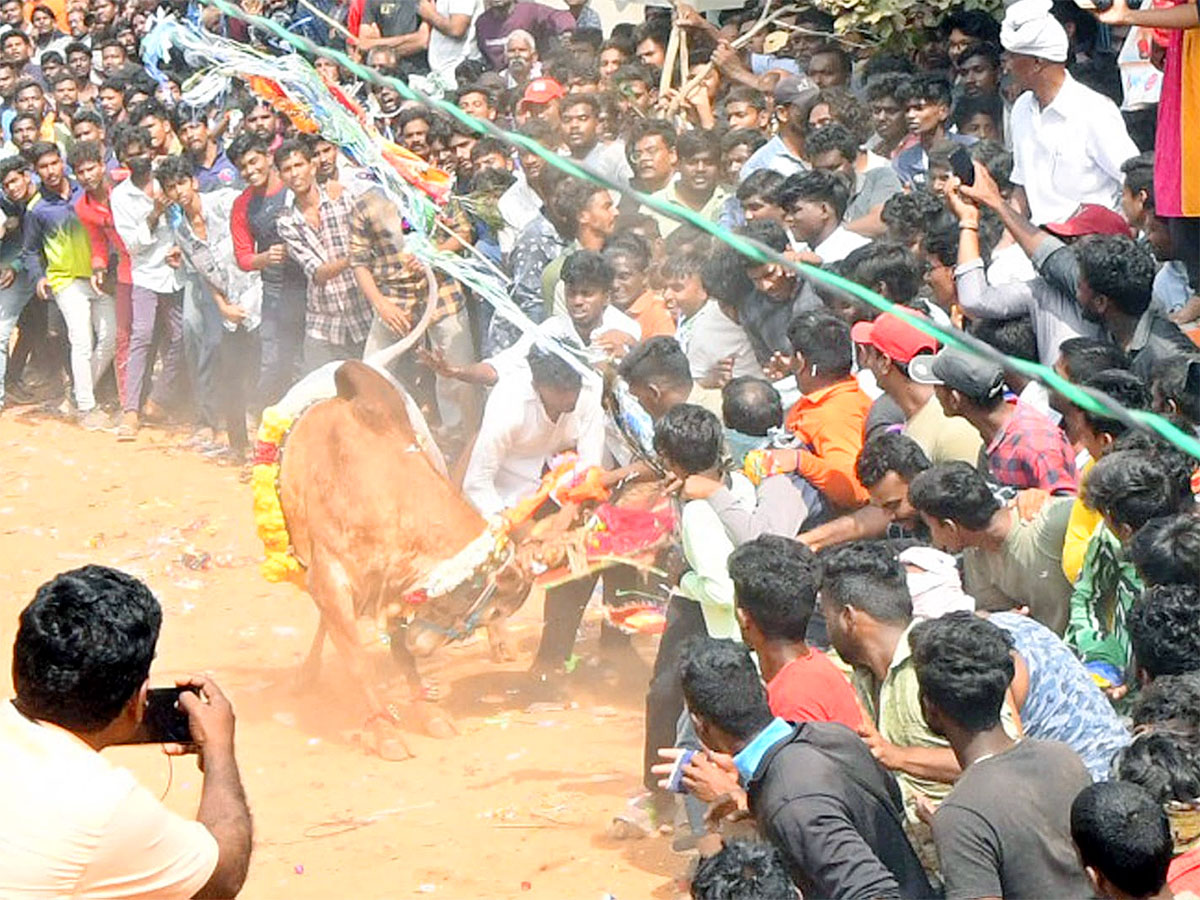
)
(1030, 30)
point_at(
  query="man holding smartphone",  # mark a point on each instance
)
(86, 828)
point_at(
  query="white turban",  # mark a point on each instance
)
(1030, 30)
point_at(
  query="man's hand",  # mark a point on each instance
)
(1117, 14)
(276, 254)
(699, 487)
(726, 59)
(435, 358)
(210, 718)
(706, 776)
(985, 191)
(231, 313)
(1030, 502)
(427, 10)
(615, 344)
(778, 366)
(967, 213)
(687, 17)
(174, 258)
(720, 374)
(394, 317)
(43, 289)
(7, 276)
(97, 282)
(883, 751)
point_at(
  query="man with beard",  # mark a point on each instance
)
(501, 18)
(214, 169)
(650, 150)
(581, 132)
(698, 156)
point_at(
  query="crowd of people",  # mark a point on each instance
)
(931, 625)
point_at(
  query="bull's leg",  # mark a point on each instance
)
(310, 670)
(498, 642)
(436, 722)
(331, 590)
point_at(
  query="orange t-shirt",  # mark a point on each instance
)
(829, 423)
(651, 313)
(811, 689)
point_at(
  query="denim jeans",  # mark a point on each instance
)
(92, 330)
(149, 308)
(202, 330)
(12, 301)
(282, 338)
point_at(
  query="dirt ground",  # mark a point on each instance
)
(514, 807)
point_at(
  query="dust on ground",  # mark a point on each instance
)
(514, 807)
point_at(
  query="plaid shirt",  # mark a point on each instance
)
(337, 311)
(377, 243)
(1032, 452)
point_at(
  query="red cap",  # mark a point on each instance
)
(1090, 218)
(894, 338)
(543, 90)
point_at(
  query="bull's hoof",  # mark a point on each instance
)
(383, 738)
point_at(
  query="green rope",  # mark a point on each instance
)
(1093, 401)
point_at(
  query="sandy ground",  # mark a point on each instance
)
(514, 807)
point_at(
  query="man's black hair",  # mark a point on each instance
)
(834, 136)
(742, 93)
(84, 647)
(571, 198)
(1172, 700)
(1164, 629)
(126, 135)
(988, 50)
(743, 137)
(689, 436)
(244, 143)
(775, 581)
(78, 47)
(724, 277)
(743, 870)
(968, 108)
(483, 89)
(722, 686)
(1139, 175)
(975, 23)
(659, 359)
(26, 83)
(586, 268)
(580, 98)
(1132, 488)
(1167, 550)
(889, 263)
(645, 128)
(845, 108)
(290, 146)
(767, 232)
(657, 29)
(174, 169)
(760, 183)
(954, 491)
(867, 575)
(634, 71)
(1124, 834)
(882, 65)
(1119, 268)
(1177, 378)
(90, 116)
(43, 148)
(84, 152)
(1165, 760)
(932, 88)
(118, 83)
(823, 339)
(909, 215)
(486, 146)
(413, 114)
(696, 143)
(996, 158)
(889, 85)
(151, 108)
(890, 451)
(548, 369)
(13, 164)
(683, 265)
(62, 76)
(630, 245)
(964, 667)
(815, 187)
(751, 405)
(1084, 356)
(845, 61)
(1124, 387)
(1014, 336)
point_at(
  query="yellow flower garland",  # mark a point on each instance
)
(280, 564)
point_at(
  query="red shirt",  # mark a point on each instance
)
(1183, 875)
(811, 689)
(97, 220)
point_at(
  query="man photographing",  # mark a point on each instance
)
(86, 828)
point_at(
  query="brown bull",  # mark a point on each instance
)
(370, 516)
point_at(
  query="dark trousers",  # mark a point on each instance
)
(282, 338)
(564, 611)
(664, 698)
(238, 367)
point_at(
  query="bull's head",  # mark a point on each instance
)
(482, 600)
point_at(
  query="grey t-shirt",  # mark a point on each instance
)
(1005, 829)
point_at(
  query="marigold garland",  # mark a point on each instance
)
(280, 564)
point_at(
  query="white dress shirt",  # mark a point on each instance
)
(131, 208)
(839, 245)
(517, 440)
(1070, 152)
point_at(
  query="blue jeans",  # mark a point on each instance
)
(12, 301)
(282, 337)
(202, 331)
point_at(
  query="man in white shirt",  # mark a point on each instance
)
(451, 35)
(138, 206)
(1068, 141)
(532, 415)
(814, 204)
(75, 824)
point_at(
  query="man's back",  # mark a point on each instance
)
(87, 828)
(835, 815)
(1004, 831)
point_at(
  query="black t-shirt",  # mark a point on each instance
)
(1005, 829)
(396, 18)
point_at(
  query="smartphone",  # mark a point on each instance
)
(164, 720)
(675, 781)
(963, 166)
